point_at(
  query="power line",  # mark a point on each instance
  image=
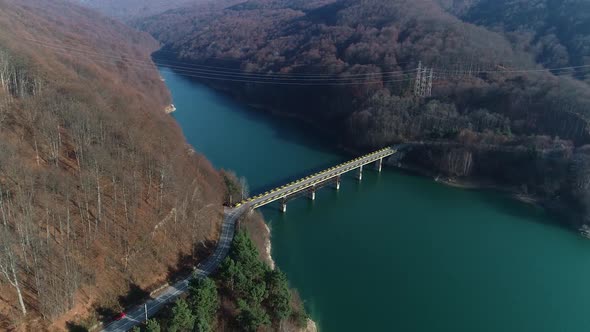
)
(242, 80)
(189, 70)
(262, 75)
(259, 78)
(550, 70)
(217, 69)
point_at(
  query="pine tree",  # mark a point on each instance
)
(228, 272)
(244, 252)
(182, 317)
(252, 316)
(204, 303)
(152, 326)
(279, 295)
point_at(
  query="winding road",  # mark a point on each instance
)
(137, 315)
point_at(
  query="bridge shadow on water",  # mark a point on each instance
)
(349, 182)
(288, 179)
(352, 174)
(323, 140)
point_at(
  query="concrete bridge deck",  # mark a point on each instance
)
(310, 183)
(149, 308)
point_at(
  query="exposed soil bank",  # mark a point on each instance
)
(260, 234)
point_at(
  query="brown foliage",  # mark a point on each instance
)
(98, 188)
(484, 99)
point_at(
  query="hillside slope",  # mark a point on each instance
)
(349, 66)
(130, 9)
(556, 32)
(100, 198)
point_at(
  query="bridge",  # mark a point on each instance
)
(311, 183)
(139, 313)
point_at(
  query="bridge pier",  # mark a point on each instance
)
(283, 205)
(308, 186)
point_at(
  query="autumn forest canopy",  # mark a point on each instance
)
(508, 99)
(102, 201)
(93, 174)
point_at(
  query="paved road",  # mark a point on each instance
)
(136, 315)
(315, 179)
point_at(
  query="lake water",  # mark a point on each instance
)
(394, 252)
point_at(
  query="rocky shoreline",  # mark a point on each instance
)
(262, 239)
(170, 109)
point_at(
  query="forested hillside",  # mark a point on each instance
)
(101, 200)
(556, 32)
(128, 9)
(350, 67)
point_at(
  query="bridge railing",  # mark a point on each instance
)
(325, 171)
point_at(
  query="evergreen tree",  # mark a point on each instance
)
(202, 326)
(257, 289)
(300, 317)
(257, 292)
(204, 302)
(243, 270)
(279, 295)
(182, 317)
(252, 316)
(245, 254)
(228, 272)
(152, 325)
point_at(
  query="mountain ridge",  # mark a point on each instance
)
(101, 199)
(489, 91)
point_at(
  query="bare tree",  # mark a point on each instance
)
(98, 197)
(3, 208)
(8, 265)
(3, 109)
(51, 133)
(244, 187)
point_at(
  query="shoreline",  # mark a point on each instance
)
(268, 246)
(473, 184)
(170, 109)
(311, 324)
(466, 183)
(255, 223)
(266, 251)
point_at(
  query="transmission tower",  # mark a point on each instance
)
(429, 84)
(418, 82)
(423, 83)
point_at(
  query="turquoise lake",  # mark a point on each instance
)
(395, 252)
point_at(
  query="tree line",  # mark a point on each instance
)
(245, 294)
(491, 86)
(98, 191)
